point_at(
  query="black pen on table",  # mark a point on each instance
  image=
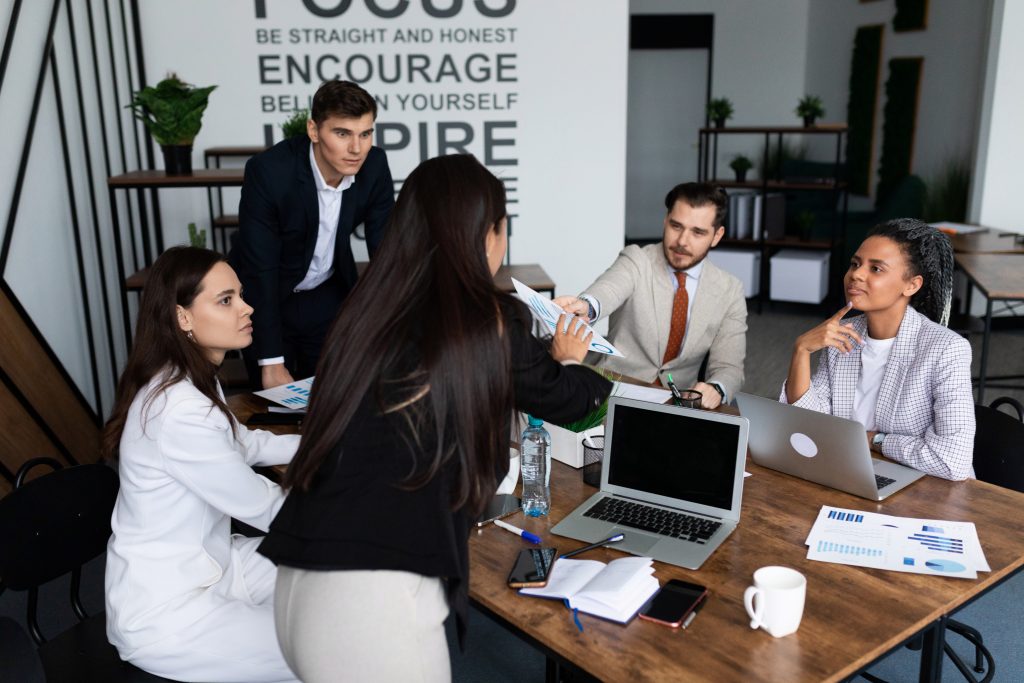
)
(676, 396)
(611, 539)
(693, 613)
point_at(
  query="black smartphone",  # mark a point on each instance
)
(673, 603)
(532, 568)
(501, 505)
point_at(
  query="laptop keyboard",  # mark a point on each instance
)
(656, 520)
(881, 482)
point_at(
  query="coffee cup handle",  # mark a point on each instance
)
(756, 613)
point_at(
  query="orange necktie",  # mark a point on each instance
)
(678, 329)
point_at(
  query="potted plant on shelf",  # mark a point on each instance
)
(740, 165)
(172, 112)
(296, 124)
(719, 111)
(810, 108)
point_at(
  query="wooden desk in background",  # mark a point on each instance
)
(999, 277)
(853, 617)
(987, 241)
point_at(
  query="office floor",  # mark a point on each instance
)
(495, 655)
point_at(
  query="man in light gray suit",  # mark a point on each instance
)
(668, 307)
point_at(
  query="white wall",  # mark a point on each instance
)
(952, 46)
(995, 197)
(760, 50)
(568, 105)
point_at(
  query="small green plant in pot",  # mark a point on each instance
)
(296, 124)
(810, 108)
(740, 165)
(196, 237)
(719, 111)
(172, 112)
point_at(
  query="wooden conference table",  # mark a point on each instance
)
(853, 616)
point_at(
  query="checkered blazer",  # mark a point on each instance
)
(926, 401)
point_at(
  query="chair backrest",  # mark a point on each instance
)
(54, 524)
(999, 446)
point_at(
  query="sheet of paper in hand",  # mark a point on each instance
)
(547, 312)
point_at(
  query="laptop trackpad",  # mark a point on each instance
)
(634, 541)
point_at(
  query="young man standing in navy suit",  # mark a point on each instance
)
(301, 201)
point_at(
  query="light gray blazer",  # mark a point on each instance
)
(636, 293)
(926, 400)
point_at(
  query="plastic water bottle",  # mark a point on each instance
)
(535, 456)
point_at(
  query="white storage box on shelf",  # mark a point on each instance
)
(799, 275)
(744, 264)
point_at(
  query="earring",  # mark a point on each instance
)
(190, 336)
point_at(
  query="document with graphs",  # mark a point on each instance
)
(902, 544)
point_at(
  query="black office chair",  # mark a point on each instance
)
(50, 527)
(999, 460)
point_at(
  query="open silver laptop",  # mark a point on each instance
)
(819, 447)
(672, 482)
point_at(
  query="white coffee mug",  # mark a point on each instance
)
(776, 600)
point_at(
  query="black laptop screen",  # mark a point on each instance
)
(673, 455)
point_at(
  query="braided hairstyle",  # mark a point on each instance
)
(930, 255)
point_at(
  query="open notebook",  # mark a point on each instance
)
(614, 591)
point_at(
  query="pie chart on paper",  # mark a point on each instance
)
(945, 566)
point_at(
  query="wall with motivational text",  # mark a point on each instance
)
(535, 90)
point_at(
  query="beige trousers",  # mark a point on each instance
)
(378, 625)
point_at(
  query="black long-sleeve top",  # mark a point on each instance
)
(359, 514)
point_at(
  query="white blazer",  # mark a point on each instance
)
(925, 402)
(183, 477)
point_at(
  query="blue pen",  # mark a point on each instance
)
(532, 538)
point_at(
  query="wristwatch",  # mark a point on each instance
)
(877, 439)
(719, 389)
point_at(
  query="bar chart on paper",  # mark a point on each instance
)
(294, 395)
(848, 549)
(868, 539)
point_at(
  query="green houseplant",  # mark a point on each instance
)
(196, 237)
(719, 111)
(296, 124)
(172, 112)
(740, 165)
(810, 107)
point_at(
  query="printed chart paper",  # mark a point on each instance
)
(547, 312)
(902, 544)
(294, 395)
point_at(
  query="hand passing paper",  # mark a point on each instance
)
(548, 312)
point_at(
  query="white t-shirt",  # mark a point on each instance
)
(873, 358)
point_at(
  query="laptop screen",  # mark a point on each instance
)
(673, 455)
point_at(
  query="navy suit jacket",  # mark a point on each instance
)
(278, 224)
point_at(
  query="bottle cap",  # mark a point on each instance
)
(534, 421)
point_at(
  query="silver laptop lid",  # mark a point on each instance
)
(677, 457)
(819, 447)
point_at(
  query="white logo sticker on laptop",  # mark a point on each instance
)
(803, 445)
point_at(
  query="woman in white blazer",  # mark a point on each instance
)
(897, 368)
(185, 599)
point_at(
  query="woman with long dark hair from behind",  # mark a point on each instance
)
(186, 599)
(897, 368)
(408, 435)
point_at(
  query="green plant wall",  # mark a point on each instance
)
(900, 123)
(860, 110)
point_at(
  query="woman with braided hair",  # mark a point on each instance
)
(896, 368)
